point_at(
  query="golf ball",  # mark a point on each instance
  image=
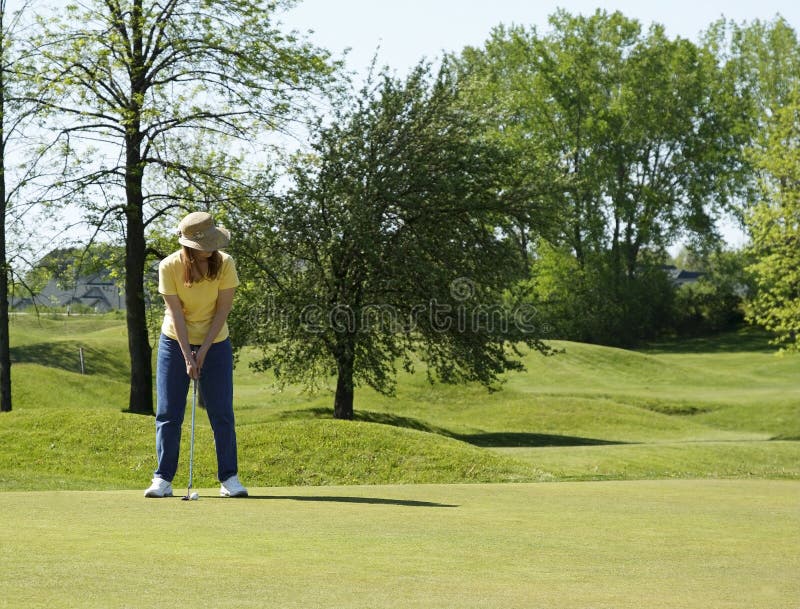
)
(194, 496)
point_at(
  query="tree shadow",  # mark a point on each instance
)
(503, 439)
(528, 440)
(366, 416)
(748, 339)
(66, 355)
(364, 500)
(385, 418)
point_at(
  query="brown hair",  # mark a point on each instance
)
(187, 257)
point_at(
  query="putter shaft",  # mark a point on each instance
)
(191, 440)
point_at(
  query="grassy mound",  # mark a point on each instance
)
(589, 412)
(79, 448)
(323, 452)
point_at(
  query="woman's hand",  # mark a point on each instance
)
(200, 357)
(192, 368)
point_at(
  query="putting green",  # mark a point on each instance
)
(673, 544)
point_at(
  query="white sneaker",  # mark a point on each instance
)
(232, 488)
(159, 488)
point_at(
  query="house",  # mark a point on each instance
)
(681, 277)
(96, 292)
(684, 277)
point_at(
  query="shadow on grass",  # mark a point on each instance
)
(65, 355)
(136, 413)
(383, 418)
(747, 339)
(508, 439)
(527, 440)
(365, 500)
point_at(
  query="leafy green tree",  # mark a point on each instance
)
(20, 161)
(137, 79)
(66, 264)
(57, 264)
(759, 76)
(716, 301)
(774, 224)
(689, 259)
(577, 301)
(759, 69)
(761, 64)
(386, 247)
(625, 125)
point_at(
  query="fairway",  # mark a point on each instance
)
(673, 544)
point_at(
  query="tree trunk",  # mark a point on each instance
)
(5, 342)
(343, 402)
(141, 394)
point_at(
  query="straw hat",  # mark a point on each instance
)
(199, 232)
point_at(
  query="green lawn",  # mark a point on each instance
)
(610, 545)
(697, 445)
(723, 408)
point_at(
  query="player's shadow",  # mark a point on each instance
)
(365, 500)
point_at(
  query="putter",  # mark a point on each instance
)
(189, 495)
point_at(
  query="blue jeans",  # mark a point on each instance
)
(216, 387)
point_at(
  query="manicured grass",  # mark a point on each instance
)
(613, 545)
(665, 460)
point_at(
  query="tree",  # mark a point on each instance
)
(625, 124)
(774, 223)
(5, 345)
(386, 248)
(759, 75)
(761, 62)
(16, 113)
(715, 302)
(66, 265)
(138, 78)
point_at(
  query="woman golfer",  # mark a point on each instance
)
(197, 283)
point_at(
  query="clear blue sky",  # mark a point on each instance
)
(408, 30)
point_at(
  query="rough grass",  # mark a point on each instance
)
(722, 409)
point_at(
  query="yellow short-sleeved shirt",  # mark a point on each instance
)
(199, 301)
